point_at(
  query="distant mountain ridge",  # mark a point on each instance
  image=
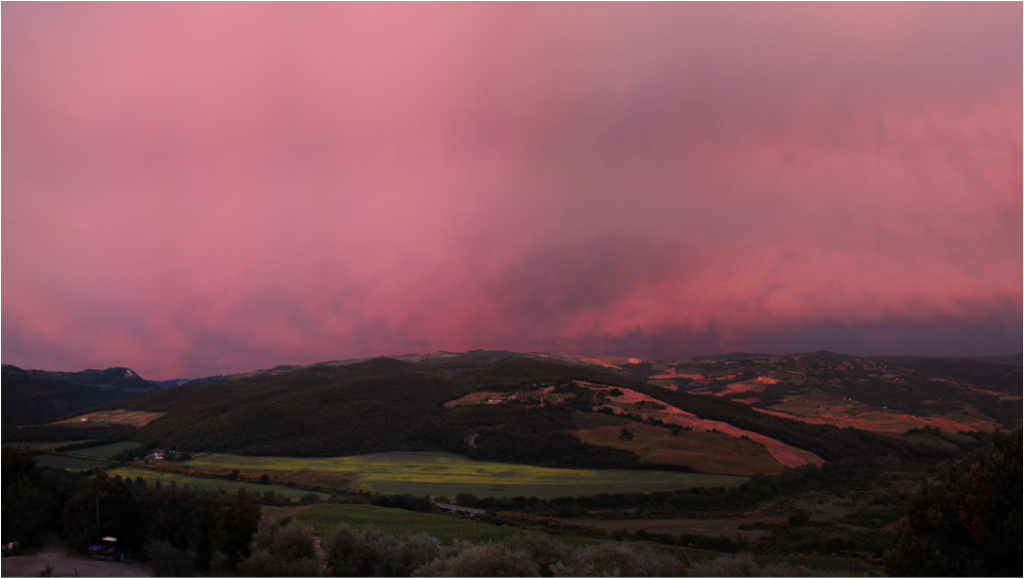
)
(569, 411)
(31, 396)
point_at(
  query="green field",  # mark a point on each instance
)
(396, 522)
(68, 462)
(107, 450)
(324, 518)
(423, 473)
(42, 445)
(206, 484)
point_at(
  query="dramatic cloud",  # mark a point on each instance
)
(202, 188)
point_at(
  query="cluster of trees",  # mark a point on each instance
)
(759, 488)
(965, 520)
(387, 405)
(290, 551)
(83, 511)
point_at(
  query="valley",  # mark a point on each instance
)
(787, 456)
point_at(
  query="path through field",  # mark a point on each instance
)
(65, 565)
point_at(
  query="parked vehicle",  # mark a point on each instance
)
(109, 551)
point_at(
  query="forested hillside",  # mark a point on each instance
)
(31, 396)
(386, 404)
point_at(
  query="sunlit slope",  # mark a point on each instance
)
(387, 405)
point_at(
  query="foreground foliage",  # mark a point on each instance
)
(965, 521)
(278, 552)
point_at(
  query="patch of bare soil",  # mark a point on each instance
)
(64, 565)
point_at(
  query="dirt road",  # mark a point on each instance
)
(64, 565)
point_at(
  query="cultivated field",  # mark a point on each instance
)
(68, 462)
(206, 484)
(636, 403)
(842, 413)
(707, 451)
(422, 473)
(134, 418)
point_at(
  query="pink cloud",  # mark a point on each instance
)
(198, 188)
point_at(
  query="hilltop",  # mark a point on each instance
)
(31, 396)
(736, 414)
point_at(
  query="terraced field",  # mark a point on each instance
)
(422, 473)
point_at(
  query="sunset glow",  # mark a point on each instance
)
(202, 188)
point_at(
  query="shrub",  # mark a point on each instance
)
(542, 551)
(486, 560)
(800, 518)
(965, 521)
(277, 552)
(743, 565)
(613, 559)
(168, 561)
(414, 552)
(348, 553)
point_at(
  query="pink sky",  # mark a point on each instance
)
(194, 188)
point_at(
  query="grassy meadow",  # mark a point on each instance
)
(422, 473)
(68, 462)
(42, 445)
(206, 484)
(106, 450)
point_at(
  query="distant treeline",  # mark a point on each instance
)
(843, 474)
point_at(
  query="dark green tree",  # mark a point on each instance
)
(237, 522)
(965, 521)
(26, 506)
(118, 515)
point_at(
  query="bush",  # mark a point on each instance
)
(542, 551)
(800, 518)
(348, 553)
(965, 521)
(743, 565)
(168, 561)
(414, 552)
(612, 559)
(277, 552)
(486, 560)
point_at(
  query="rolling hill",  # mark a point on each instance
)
(31, 396)
(749, 413)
